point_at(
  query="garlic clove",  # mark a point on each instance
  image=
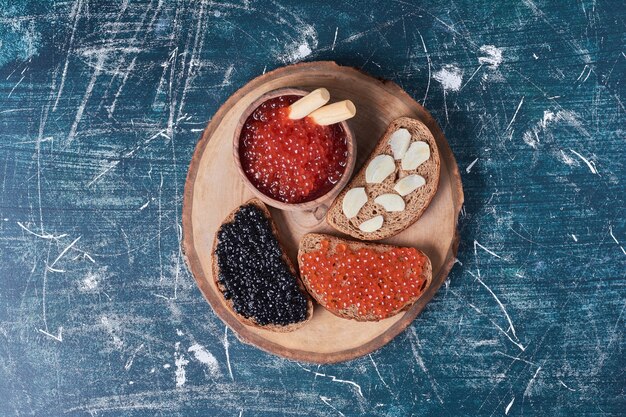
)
(409, 184)
(399, 142)
(379, 168)
(390, 202)
(417, 154)
(372, 224)
(353, 201)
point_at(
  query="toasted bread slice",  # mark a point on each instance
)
(283, 260)
(365, 291)
(416, 202)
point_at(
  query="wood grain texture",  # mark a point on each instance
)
(103, 102)
(213, 188)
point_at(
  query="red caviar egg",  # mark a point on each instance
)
(293, 161)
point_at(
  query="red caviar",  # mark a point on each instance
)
(377, 283)
(293, 161)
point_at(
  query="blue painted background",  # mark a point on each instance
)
(102, 103)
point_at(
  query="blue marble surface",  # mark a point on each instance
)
(102, 103)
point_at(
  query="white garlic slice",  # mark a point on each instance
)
(390, 202)
(353, 201)
(372, 224)
(399, 142)
(409, 184)
(417, 154)
(379, 168)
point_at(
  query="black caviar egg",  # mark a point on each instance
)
(253, 274)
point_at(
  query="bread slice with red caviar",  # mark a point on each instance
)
(362, 281)
(253, 273)
(415, 202)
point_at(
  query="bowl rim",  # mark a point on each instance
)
(307, 205)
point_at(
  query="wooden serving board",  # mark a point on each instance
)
(214, 188)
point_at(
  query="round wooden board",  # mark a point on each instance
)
(214, 188)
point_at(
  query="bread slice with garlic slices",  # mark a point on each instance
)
(405, 163)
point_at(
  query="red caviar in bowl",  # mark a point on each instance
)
(378, 283)
(293, 161)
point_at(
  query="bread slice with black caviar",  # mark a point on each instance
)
(253, 273)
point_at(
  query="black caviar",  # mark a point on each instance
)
(253, 274)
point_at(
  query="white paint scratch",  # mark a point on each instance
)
(129, 362)
(227, 76)
(335, 379)
(506, 334)
(485, 342)
(15, 86)
(476, 244)
(75, 16)
(531, 382)
(515, 114)
(429, 66)
(144, 205)
(332, 48)
(471, 165)
(615, 239)
(563, 383)
(495, 297)
(508, 407)
(515, 358)
(591, 165)
(326, 401)
(83, 104)
(548, 116)
(226, 345)
(64, 251)
(104, 171)
(43, 235)
(587, 68)
(471, 76)
(58, 337)
(51, 269)
(567, 160)
(205, 357)
(531, 138)
(378, 373)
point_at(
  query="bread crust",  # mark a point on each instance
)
(416, 202)
(312, 241)
(229, 304)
